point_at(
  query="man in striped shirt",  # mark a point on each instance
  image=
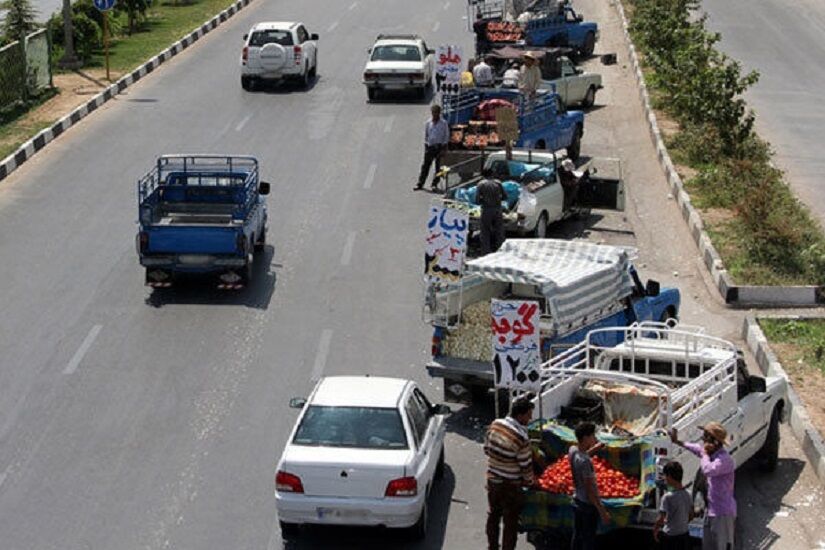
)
(509, 468)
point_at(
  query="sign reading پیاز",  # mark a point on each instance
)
(516, 343)
(446, 242)
(507, 124)
(448, 63)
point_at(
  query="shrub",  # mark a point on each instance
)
(87, 33)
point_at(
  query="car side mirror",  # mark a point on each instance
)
(430, 52)
(756, 384)
(297, 402)
(263, 188)
(245, 36)
(652, 288)
(369, 50)
(441, 409)
(313, 36)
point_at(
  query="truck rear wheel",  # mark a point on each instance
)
(589, 97)
(575, 148)
(246, 83)
(768, 455)
(372, 93)
(589, 45)
(540, 231)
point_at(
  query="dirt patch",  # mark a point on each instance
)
(807, 381)
(714, 217)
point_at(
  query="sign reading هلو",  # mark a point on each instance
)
(516, 344)
(449, 60)
(507, 124)
(446, 243)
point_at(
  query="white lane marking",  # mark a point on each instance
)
(436, 26)
(274, 537)
(332, 27)
(242, 123)
(352, 6)
(4, 475)
(388, 124)
(346, 255)
(321, 356)
(370, 175)
(446, 5)
(83, 349)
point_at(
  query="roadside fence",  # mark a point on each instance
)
(25, 69)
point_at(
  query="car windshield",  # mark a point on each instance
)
(260, 38)
(396, 53)
(358, 427)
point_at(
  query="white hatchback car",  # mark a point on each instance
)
(364, 451)
(279, 50)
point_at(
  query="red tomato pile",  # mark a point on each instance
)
(558, 478)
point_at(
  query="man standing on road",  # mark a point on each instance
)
(509, 469)
(490, 193)
(436, 137)
(483, 74)
(587, 506)
(719, 469)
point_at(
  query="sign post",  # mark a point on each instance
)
(104, 6)
(507, 127)
(448, 62)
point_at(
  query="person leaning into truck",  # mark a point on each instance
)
(719, 469)
(436, 137)
(509, 469)
(587, 506)
(490, 194)
(511, 76)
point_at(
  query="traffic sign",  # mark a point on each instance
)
(104, 5)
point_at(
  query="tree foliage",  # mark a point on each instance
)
(20, 20)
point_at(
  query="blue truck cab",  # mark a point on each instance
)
(544, 122)
(562, 28)
(201, 214)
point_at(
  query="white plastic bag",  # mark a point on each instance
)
(527, 204)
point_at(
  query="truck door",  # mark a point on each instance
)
(572, 85)
(559, 126)
(604, 188)
(751, 420)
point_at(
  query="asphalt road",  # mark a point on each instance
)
(135, 419)
(783, 41)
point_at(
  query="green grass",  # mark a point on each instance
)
(17, 130)
(164, 25)
(807, 336)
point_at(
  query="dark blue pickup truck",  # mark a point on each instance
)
(562, 28)
(201, 214)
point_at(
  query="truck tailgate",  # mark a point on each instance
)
(192, 239)
(456, 367)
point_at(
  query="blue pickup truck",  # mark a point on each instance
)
(562, 28)
(201, 214)
(544, 123)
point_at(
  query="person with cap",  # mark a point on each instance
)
(529, 77)
(719, 469)
(436, 137)
(483, 73)
(490, 194)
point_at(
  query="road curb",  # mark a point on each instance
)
(732, 294)
(804, 431)
(44, 137)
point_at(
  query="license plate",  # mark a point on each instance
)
(335, 513)
(696, 531)
(396, 86)
(196, 259)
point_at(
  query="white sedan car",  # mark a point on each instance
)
(364, 451)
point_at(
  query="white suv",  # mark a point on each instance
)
(399, 62)
(279, 50)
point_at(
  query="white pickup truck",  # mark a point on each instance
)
(537, 197)
(574, 85)
(662, 377)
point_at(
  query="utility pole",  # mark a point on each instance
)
(69, 59)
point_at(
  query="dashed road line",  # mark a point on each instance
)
(446, 5)
(321, 356)
(242, 123)
(332, 27)
(436, 26)
(83, 349)
(388, 124)
(370, 176)
(346, 255)
(352, 6)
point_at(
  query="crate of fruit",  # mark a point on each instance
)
(625, 475)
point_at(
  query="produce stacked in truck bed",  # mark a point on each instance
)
(504, 31)
(479, 134)
(612, 483)
(471, 340)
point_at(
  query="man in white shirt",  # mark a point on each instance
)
(511, 76)
(483, 74)
(436, 137)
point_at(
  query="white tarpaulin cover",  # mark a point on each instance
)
(577, 278)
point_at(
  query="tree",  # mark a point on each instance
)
(21, 19)
(135, 10)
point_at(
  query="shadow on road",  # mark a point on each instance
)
(393, 97)
(201, 289)
(282, 87)
(360, 538)
(471, 421)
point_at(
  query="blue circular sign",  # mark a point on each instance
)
(104, 5)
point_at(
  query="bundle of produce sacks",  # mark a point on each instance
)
(469, 195)
(471, 340)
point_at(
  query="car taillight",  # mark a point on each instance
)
(402, 487)
(297, 51)
(370, 76)
(436, 346)
(143, 241)
(245, 55)
(288, 483)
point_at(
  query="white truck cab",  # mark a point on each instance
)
(277, 50)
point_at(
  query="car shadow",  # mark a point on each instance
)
(471, 421)
(367, 538)
(400, 97)
(284, 87)
(201, 289)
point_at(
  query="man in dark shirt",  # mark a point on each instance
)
(490, 195)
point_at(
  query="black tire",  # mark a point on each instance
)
(289, 529)
(305, 79)
(590, 97)
(261, 242)
(419, 530)
(575, 148)
(372, 94)
(540, 231)
(589, 45)
(246, 83)
(439, 467)
(421, 93)
(314, 72)
(668, 313)
(768, 455)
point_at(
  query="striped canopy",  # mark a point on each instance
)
(577, 278)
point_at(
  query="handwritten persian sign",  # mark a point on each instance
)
(448, 66)
(516, 344)
(507, 124)
(446, 242)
